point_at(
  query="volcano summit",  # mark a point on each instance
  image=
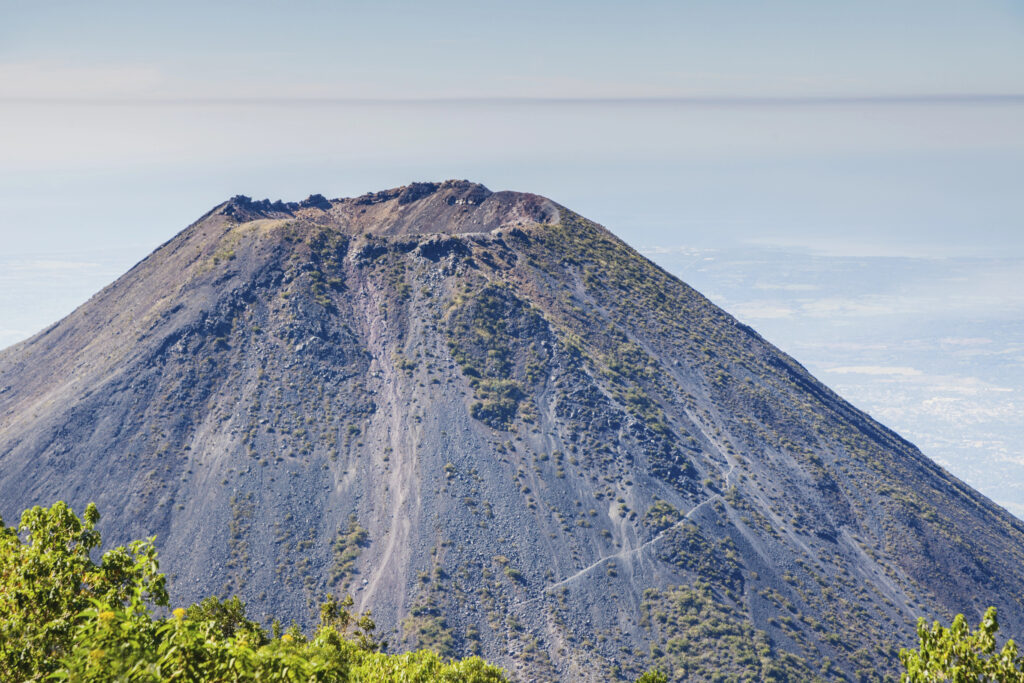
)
(502, 430)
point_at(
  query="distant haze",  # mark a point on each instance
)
(877, 127)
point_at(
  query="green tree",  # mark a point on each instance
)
(47, 579)
(960, 655)
(63, 617)
(227, 617)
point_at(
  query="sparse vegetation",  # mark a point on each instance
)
(486, 328)
(699, 637)
(347, 546)
(661, 516)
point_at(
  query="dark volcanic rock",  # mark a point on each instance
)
(505, 432)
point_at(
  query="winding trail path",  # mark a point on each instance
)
(629, 551)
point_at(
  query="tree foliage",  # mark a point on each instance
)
(63, 617)
(960, 655)
(47, 580)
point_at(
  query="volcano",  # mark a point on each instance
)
(502, 430)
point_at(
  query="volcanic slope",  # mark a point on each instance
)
(502, 430)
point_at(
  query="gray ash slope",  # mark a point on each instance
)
(503, 431)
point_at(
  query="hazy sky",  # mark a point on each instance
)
(524, 48)
(875, 127)
(879, 127)
(845, 128)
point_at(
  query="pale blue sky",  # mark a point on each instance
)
(796, 123)
(472, 48)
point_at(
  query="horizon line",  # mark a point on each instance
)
(695, 100)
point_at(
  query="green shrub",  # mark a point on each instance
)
(959, 654)
(64, 617)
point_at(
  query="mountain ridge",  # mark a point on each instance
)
(504, 431)
(447, 207)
